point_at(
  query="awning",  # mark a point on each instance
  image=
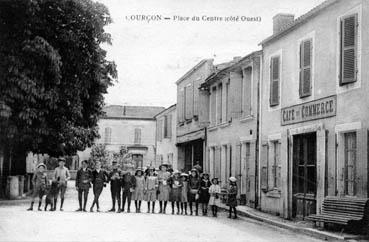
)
(200, 134)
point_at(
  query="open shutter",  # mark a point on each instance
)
(236, 94)
(169, 126)
(305, 68)
(189, 101)
(196, 99)
(204, 106)
(274, 81)
(349, 33)
(180, 110)
(264, 167)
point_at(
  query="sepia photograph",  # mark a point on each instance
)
(188, 121)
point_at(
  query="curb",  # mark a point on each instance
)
(323, 235)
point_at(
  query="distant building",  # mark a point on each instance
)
(232, 137)
(166, 149)
(132, 127)
(192, 116)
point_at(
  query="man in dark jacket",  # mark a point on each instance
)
(128, 186)
(83, 184)
(115, 186)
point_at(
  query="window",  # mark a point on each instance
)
(227, 102)
(246, 101)
(165, 126)
(264, 156)
(305, 68)
(137, 136)
(348, 52)
(276, 169)
(188, 101)
(219, 104)
(159, 130)
(213, 101)
(274, 80)
(107, 135)
(349, 172)
(247, 164)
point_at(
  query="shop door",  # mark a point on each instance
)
(304, 175)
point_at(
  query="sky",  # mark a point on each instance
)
(152, 55)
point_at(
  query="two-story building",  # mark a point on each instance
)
(133, 127)
(192, 115)
(232, 132)
(166, 149)
(314, 108)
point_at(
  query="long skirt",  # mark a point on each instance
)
(214, 201)
(175, 195)
(150, 196)
(164, 191)
(192, 195)
(184, 197)
(138, 194)
(204, 196)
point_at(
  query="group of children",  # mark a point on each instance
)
(182, 190)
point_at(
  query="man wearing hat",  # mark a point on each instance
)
(115, 186)
(61, 174)
(128, 186)
(39, 181)
(83, 184)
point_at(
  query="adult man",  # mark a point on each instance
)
(115, 186)
(83, 179)
(128, 186)
(61, 174)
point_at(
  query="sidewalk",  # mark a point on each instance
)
(304, 227)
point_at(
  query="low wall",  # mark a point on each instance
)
(73, 174)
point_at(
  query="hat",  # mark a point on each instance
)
(151, 168)
(184, 174)
(205, 174)
(166, 165)
(138, 170)
(176, 172)
(114, 162)
(61, 159)
(41, 164)
(214, 178)
(232, 179)
(195, 170)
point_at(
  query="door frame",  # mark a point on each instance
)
(321, 162)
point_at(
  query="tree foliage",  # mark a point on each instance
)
(53, 72)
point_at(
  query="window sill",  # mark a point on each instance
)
(274, 193)
(225, 124)
(247, 118)
(188, 121)
(212, 128)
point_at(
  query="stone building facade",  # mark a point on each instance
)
(166, 149)
(232, 137)
(314, 109)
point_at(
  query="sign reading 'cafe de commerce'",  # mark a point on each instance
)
(317, 109)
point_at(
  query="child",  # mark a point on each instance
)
(128, 186)
(194, 186)
(115, 186)
(176, 190)
(51, 195)
(232, 197)
(184, 191)
(164, 188)
(138, 194)
(214, 200)
(151, 186)
(62, 175)
(99, 178)
(39, 182)
(204, 193)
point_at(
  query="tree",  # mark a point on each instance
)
(99, 153)
(53, 74)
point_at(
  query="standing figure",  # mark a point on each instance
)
(83, 184)
(99, 179)
(214, 192)
(184, 192)
(151, 186)
(204, 193)
(232, 197)
(61, 174)
(138, 194)
(176, 190)
(193, 194)
(164, 189)
(115, 186)
(128, 186)
(39, 181)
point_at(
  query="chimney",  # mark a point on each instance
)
(281, 20)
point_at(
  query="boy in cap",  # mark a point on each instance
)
(83, 184)
(39, 181)
(232, 197)
(61, 174)
(99, 179)
(115, 186)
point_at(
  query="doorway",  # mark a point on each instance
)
(304, 184)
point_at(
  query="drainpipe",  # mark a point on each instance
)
(258, 134)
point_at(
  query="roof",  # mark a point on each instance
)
(170, 107)
(131, 112)
(300, 20)
(225, 68)
(193, 69)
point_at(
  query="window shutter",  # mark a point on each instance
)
(180, 111)
(189, 101)
(305, 68)
(235, 89)
(274, 81)
(348, 49)
(203, 106)
(169, 126)
(196, 99)
(264, 167)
